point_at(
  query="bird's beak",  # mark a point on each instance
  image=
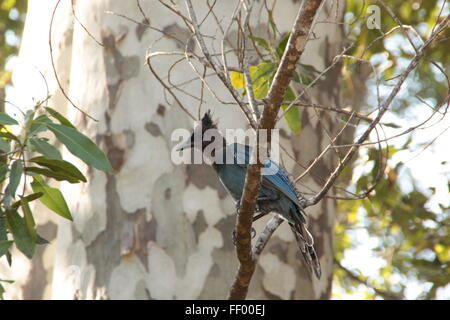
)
(183, 146)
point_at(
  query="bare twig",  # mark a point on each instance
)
(82, 25)
(211, 63)
(358, 278)
(265, 235)
(330, 145)
(383, 108)
(54, 68)
(332, 108)
(149, 57)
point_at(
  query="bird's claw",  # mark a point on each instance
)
(234, 237)
(238, 205)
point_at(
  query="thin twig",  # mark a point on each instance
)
(149, 57)
(54, 68)
(383, 108)
(265, 235)
(213, 65)
(352, 275)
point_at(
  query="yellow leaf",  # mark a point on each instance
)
(237, 79)
(5, 78)
(8, 4)
(352, 217)
(443, 252)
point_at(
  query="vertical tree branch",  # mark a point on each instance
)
(294, 49)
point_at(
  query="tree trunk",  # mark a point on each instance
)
(156, 230)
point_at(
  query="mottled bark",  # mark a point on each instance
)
(156, 230)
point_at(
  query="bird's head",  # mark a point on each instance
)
(198, 138)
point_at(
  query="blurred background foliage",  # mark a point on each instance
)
(404, 220)
(12, 18)
(408, 236)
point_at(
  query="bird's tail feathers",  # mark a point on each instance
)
(305, 243)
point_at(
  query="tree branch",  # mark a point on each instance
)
(382, 293)
(248, 255)
(50, 29)
(383, 108)
(294, 49)
(265, 235)
(211, 63)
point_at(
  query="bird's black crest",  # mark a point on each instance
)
(207, 122)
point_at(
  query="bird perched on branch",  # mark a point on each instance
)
(276, 194)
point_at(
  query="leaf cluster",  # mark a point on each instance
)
(29, 161)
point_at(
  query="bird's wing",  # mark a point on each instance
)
(278, 180)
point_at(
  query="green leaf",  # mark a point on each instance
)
(58, 116)
(28, 199)
(52, 198)
(2, 290)
(4, 145)
(40, 240)
(295, 76)
(81, 146)
(29, 220)
(307, 73)
(392, 125)
(3, 171)
(29, 116)
(45, 148)
(9, 136)
(306, 80)
(272, 21)
(14, 177)
(279, 50)
(9, 258)
(262, 42)
(292, 117)
(4, 247)
(7, 120)
(3, 234)
(61, 167)
(39, 124)
(309, 69)
(7, 281)
(23, 239)
(262, 76)
(60, 176)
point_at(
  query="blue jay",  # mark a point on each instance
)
(276, 194)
